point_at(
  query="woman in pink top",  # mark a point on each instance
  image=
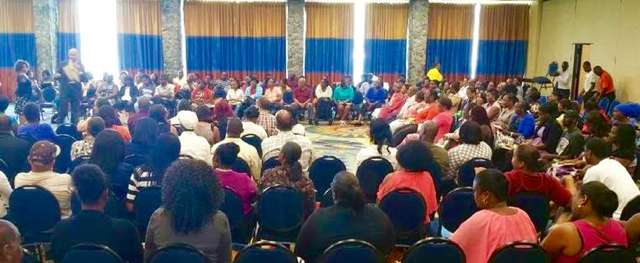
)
(393, 107)
(241, 183)
(414, 158)
(592, 208)
(444, 119)
(496, 224)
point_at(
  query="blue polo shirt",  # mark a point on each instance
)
(376, 96)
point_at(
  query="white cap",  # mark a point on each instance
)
(188, 119)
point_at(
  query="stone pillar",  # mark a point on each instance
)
(172, 35)
(417, 39)
(45, 15)
(295, 37)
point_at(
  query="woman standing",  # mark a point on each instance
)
(190, 214)
(24, 89)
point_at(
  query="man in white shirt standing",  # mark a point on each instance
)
(609, 172)
(564, 81)
(591, 81)
(192, 144)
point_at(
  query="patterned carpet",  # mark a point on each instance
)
(342, 141)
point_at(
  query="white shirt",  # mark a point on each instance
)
(5, 192)
(233, 96)
(388, 153)
(327, 93)
(564, 80)
(591, 78)
(248, 153)
(410, 102)
(612, 174)
(195, 146)
(126, 96)
(60, 185)
(252, 128)
(462, 93)
(271, 147)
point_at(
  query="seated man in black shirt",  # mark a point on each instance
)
(92, 225)
(350, 217)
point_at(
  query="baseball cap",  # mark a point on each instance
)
(43, 152)
(188, 119)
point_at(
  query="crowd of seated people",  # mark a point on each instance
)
(192, 133)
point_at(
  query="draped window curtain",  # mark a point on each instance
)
(502, 49)
(450, 39)
(17, 40)
(329, 42)
(385, 43)
(239, 38)
(139, 35)
(68, 28)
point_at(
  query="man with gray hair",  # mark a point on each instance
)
(10, 249)
(272, 146)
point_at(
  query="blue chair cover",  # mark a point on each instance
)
(91, 253)
(136, 160)
(456, 207)
(370, 173)
(24, 199)
(147, 201)
(434, 250)
(536, 205)
(521, 252)
(407, 222)
(351, 251)
(179, 253)
(271, 163)
(608, 253)
(265, 251)
(254, 141)
(323, 170)
(280, 211)
(63, 161)
(466, 173)
(604, 104)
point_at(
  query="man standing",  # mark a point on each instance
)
(564, 81)
(591, 82)
(68, 74)
(434, 73)
(606, 89)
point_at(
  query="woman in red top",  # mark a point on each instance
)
(201, 94)
(592, 208)
(393, 107)
(415, 158)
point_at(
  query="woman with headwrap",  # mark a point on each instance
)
(623, 113)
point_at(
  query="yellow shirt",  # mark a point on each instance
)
(434, 74)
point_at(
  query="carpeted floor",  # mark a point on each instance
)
(342, 141)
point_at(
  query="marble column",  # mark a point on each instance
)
(295, 37)
(45, 15)
(172, 36)
(417, 38)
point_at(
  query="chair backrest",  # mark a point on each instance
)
(271, 163)
(608, 253)
(232, 207)
(521, 252)
(280, 208)
(604, 104)
(30, 139)
(456, 207)
(63, 161)
(80, 160)
(33, 208)
(351, 250)
(178, 253)
(612, 107)
(241, 166)
(406, 221)
(631, 208)
(49, 94)
(434, 250)
(69, 129)
(323, 170)
(254, 141)
(82, 253)
(4, 167)
(466, 173)
(136, 160)
(145, 203)
(536, 205)
(370, 173)
(265, 251)
(327, 198)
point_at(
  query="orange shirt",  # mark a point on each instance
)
(421, 182)
(427, 113)
(606, 83)
(123, 131)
